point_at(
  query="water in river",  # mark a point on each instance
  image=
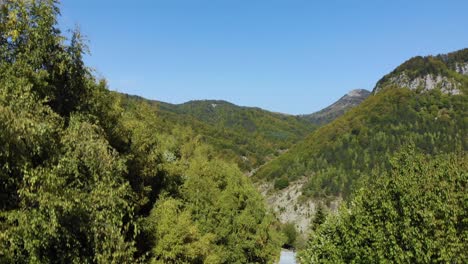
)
(287, 257)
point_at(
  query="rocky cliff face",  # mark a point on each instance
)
(424, 83)
(462, 68)
(447, 72)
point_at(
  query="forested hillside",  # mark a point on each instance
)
(83, 181)
(246, 135)
(334, 157)
(399, 162)
(88, 175)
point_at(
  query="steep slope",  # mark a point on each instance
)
(331, 161)
(248, 136)
(337, 109)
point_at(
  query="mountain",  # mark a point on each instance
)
(345, 103)
(248, 136)
(334, 160)
(413, 200)
(274, 126)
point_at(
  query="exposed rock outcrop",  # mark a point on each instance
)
(424, 83)
(290, 208)
(447, 72)
(462, 68)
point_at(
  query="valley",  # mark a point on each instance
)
(92, 175)
(321, 158)
(264, 135)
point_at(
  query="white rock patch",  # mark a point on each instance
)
(427, 82)
(462, 68)
(288, 208)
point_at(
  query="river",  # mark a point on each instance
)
(287, 257)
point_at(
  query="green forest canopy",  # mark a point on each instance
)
(83, 181)
(334, 157)
(245, 135)
(91, 176)
(414, 213)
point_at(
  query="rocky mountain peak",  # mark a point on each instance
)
(358, 93)
(338, 108)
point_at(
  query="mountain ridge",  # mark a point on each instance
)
(248, 135)
(338, 108)
(358, 94)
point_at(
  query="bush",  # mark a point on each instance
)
(290, 232)
(281, 183)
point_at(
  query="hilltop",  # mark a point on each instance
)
(337, 109)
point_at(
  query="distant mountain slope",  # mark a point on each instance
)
(337, 109)
(274, 126)
(245, 135)
(335, 156)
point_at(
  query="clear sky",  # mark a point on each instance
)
(291, 56)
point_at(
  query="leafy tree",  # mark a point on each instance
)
(76, 208)
(415, 213)
(220, 215)
(177, 238)
(319, 217)
(291, 234)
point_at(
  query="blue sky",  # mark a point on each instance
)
(290, 56)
